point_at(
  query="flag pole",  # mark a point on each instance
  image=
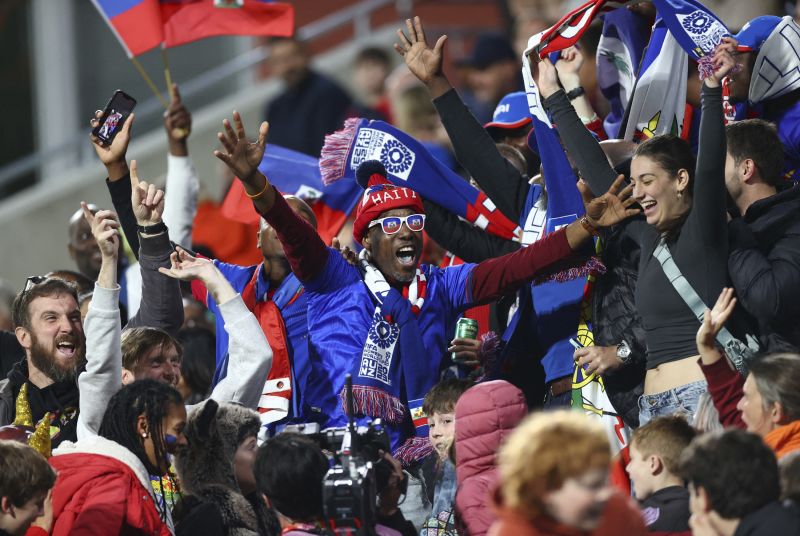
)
(167, 73)
(149, 81)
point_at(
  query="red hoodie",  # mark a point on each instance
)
(485, 416)
(102, 488)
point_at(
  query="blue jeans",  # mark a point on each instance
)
(679, 401)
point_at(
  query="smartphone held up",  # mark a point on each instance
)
(115, 114)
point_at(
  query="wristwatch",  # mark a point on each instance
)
(624, 352)
(157, 228)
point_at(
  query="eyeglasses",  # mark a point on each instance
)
(392, 224)
(32, 281)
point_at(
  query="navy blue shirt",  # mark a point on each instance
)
(300, 117)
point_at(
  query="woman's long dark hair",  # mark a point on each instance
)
(143, 397)
(671, 153)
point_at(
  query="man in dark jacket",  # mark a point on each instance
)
(311, 105)
(764, 262)
(739, 496)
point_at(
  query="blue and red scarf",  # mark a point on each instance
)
(395, 366)
(410, 165)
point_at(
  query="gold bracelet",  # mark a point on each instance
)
(259, 194)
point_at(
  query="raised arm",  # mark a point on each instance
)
(496, 277)
(466, 241)
(162, 302)
(708, 217)
(118, 182)
(474, 147)
(725, 385)
(180, 203)
(304, 248)
(581, 145)
(568, 66)
(250, 356)
(103, 375)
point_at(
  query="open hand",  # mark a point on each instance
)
(185, 267)
(423, 61)
(713, 321)
(147, 199)
(240, 155)
(105, 229)
(610, 208)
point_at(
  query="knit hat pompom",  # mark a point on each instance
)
(371, 173)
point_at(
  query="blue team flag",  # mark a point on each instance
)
(619, 54)
(697, 30)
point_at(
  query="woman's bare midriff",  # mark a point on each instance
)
(671, 375)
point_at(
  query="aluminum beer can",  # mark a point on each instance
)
(466, 328)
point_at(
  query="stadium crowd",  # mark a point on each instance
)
(571, 316)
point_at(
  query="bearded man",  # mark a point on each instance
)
(48, 326)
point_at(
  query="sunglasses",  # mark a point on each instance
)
(392, 224)
(32, 281)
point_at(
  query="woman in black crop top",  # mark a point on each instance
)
(685, 205)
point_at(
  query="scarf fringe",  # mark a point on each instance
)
(333, 158)
(375, 402)
(413, 450)
(593, 266)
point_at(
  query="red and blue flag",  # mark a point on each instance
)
(566, 32)
(141, 25)
(189, 20)
(298, 174)
(135, 23)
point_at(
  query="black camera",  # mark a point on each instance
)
(358, 475)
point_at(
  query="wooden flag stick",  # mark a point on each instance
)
(177, 132)
(149, 81)
(167, 73)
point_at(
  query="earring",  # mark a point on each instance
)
(144, 434)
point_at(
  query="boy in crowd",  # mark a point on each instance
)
(734, 487)
(25, 482)
(437, 470)
(440, 407)
(655, 450)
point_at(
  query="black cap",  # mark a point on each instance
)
(490, 48)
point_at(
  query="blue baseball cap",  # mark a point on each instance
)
(754, 33)
(512, 112)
